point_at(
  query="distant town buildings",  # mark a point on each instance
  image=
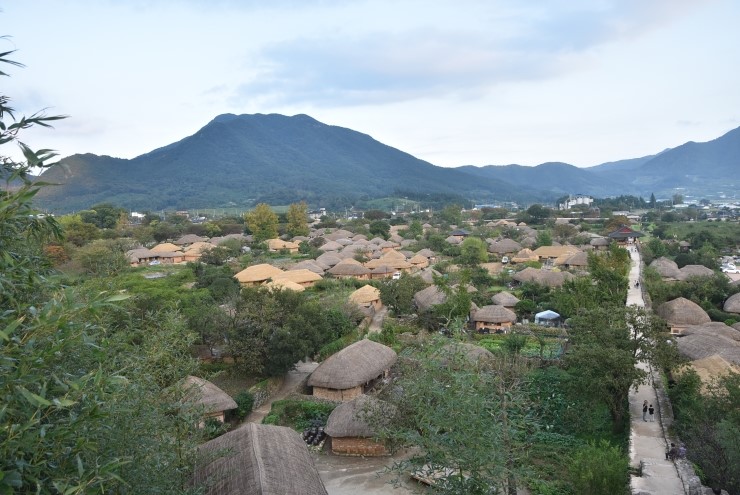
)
(578, 199)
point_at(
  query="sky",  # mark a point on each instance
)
(454, 83)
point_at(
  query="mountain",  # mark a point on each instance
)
(238, 160)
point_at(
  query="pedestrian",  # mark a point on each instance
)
(644, 410)
(682, 451)
(672, 452)
(651, 412)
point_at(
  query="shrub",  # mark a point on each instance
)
(600, 468)
(213, 428)
(298, 414)
(244, 402)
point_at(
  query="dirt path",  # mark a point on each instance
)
(292, 380)
(376, 324)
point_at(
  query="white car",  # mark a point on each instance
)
(729, 269)
(396, 275)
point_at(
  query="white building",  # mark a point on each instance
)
(578, 199)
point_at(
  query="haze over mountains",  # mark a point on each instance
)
(246, 159)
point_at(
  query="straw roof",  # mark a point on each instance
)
(199, 247)
(165, 246)
(309, 265)
(681, 311)
(278, 244)
(189, 239)
(395, 238)
(302, 276)
(134, 255)
(359, 237)
(732, 305)
(208, 395)
(339, 234)
(282, 284)
(542, 277)
(354, 365)
(504, 246)
(714, 328)
(419, 260)
(328, 259)
(695, 271)
(349, 270)
(453, 240)
(257, 460)
(494, 314)
(525, 255)
(330, 246)
(600, 241)
(712, 367)
(529, 241)
(349, 261)
(578, 259)
(666, 268)
(365, 294)
(383, 270)
(505, 298)
(426, 298)
(465, 354)
(701, 345)
(555, 251)
(427, 275)
(352, 419)
(427, 253)
(257, 273)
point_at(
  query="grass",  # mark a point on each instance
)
(298, 414)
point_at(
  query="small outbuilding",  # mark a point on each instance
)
(505, 299)
(681, 313)
(257, 274)
(350, 427)
(367, 297)
(492, 318)
(257, 460)
(547, 318)
(215, 402)
(352, 371)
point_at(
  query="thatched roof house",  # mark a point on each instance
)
(542, 277)
(666, 268)
(492, 318)
(280, 245)
(165, 247)
(328, 259)
(366, 297)
(140, 256)
(284, 284)
(681, 313)
(428, 274)
(732, 304)
(504, 247)
(189, 239)
(303, 277)
(350, 270)
(214, 401)
(702, 341)
(427, 253)
(505, 299)
(309, 265)
(330, 246)
(350, 429)
(578, 260)
(257, 460)
(600, 243)
(426, 298)
(257, 274)
(339, 234)
(525, 255)
(712, 367)
(695, 271)
(352, 371)
(545, 253)
(382, 271)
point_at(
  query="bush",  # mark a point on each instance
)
(213, 428)
(298, 414)
(601, 469)
(337, 345)
(244, 402)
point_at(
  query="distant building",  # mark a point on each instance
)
(578, 199)
(317, 214)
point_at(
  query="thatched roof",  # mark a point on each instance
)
(257, 460)
(542, 277)
(426, 298)
(257, 273)
(578, 259)
(165, 246)
(464, 354)
(524, 255)
(349, 270)
(309, 265)
(428, 274)
(702, 345)
(714, 328)
(695, 271)
(328, 259)
(453, 240)
(600, 241)
(712, 367)
(353, 418)
(278, 244)
(427, 253)
(285, 285)
(134, 255)
(383, 270)
(732, 305)
(330, 246)
(504, 246)
(345, 242)
(666, 268)
(189, 239)
(505, 298)
(365, 294)
(528, 241)
(681, 311)
(493, 314)
(419, 260)
(208, 395)
(339, 234)
(354, 365)
(303, 276)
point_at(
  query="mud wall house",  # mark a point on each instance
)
(141, 256)
(276, 245)
(459, 235)
(492, 319)
(350, 270)
(350, 430)
(548, 254)
(257, 274)
(303, 277)
(257, 460)
(505, 299)
(681, 313)
(381, 272)
(214, 401)
(367, 298)
(352, 371)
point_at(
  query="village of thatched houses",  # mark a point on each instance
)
(352, 371)
(257, 460)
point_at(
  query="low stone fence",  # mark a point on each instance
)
(265, 389)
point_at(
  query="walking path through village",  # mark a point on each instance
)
(647, 439)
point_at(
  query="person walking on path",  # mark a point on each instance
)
(644, 410)
(651, 411)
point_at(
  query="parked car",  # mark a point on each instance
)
(729, 269)
(396, 275)
(505, 259)
(155, 263)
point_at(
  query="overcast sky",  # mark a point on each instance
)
(454, 83)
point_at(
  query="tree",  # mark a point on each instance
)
(543, 238)
(380, 228)
(652, 201)
(539, 213)
(262, 222)
(473, 251)
(297, 219)
(398, 294)
(451, 214)
(677, 199)
(375, 215)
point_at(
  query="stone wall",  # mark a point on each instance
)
(357, 446)
(265, 389)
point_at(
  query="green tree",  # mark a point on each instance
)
(76, 231)
(600, 468)
(539, 213)
(262, 222)
(380, 228)
(451, 214)
(543, 238)
(652, 201)
(103, 257)
(297, 219)
(398, 294)
(473, 251)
